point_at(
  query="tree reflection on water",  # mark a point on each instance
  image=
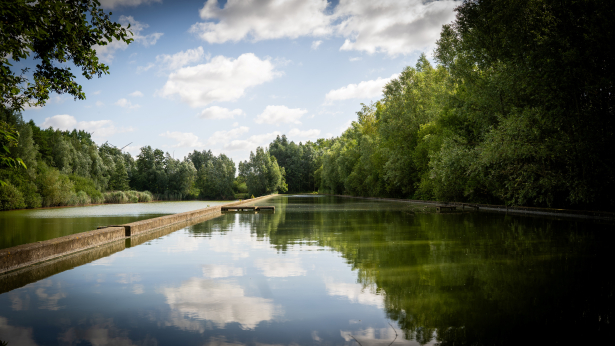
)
(463, 278)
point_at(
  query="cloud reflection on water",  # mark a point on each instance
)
(356, 293)
(15, 335)
(380, 336)
(280, 267)
(219, 302)
(214, 271)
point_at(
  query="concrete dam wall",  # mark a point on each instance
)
(28, 254)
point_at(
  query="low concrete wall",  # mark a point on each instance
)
(156, 233)
(27, 254)
(135, 228)
(26, 275)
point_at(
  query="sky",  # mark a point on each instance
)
(229, 76)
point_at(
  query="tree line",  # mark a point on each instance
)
(518, 110)
(68, 168)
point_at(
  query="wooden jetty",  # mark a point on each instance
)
(244, 208)
(445, 208)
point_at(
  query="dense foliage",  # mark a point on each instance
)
(518, 111)
(262, 174)
(53, 32)
(68, 168)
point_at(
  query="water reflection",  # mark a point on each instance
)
(17, 335)
(329, 271)
(219, 302)
(354, 292)
(215, 271)
(280, 267)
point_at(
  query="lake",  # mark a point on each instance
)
(333, 271)
(28, 226)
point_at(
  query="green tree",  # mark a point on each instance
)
(9, 137)
(215, 179)
(150, 173)
(533, 104)
(262, 174)
(119, 181)
(54, 32)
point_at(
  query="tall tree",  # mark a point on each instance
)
(54, 32)
(262, 173)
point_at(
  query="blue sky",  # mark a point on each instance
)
(230, 76)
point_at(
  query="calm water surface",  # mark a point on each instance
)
(332, 271)
(28, 226)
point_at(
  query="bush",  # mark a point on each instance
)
(22, 182)
(87, 185)
(97, 199)
(79, 198)
(55, 188)
(133, 196)
(242, 188)
(145, 196)
(116, 197)
(11, 198)
(242, 196)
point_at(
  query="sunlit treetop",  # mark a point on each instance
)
(55, 33)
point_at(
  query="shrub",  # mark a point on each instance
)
(242, 188)
(242, 196)
(55, 188)
(79, 198)
(87, 185)
(97, 199)
(11, 198)
(145, 196)
(133, 196)
(20, 180)
(116, 197)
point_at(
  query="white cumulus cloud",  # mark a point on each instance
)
(276, 115)
(184, 139)
(181, 59)
(313, 133)
(221, 79)
(225, 136)
(137, 93)
(99, 129)
(106, 53)
(252, 142)
(262, 20)
(363, 90)
(316, 44)
(124, 103)
(216, 112)
(145, 68)
(390, 26)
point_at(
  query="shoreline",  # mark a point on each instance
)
(24, 255)
(92, 204)
(582, 214)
